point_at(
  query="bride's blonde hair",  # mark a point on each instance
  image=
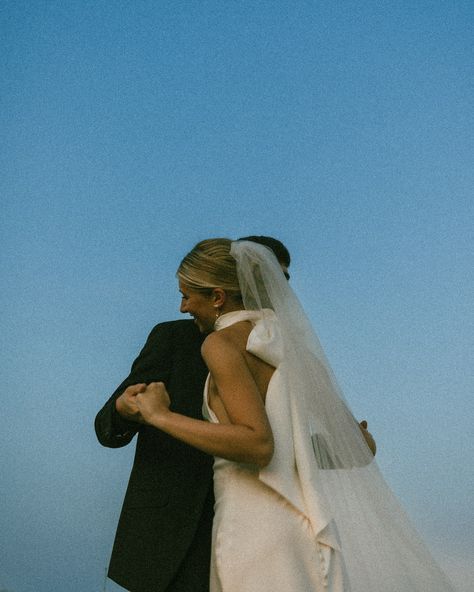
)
(210, 265)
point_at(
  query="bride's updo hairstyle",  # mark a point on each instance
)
(210, 265)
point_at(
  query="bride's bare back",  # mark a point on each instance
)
(259, 372)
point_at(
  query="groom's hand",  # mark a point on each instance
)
(126, 404)
(368, 436)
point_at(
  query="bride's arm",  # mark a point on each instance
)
(247, 438)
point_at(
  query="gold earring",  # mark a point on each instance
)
(218, 312)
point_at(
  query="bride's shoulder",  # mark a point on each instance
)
(232, 338)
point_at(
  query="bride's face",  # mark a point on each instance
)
(200, 305)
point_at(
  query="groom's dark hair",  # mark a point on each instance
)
(281, 252)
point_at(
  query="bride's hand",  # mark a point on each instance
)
(153, 402)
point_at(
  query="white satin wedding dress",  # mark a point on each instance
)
(262, 542)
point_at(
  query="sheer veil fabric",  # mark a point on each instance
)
(321, 463)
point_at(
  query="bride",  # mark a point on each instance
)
(300, 503)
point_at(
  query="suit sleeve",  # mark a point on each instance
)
(152, 364)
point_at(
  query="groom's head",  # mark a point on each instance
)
(279, 249)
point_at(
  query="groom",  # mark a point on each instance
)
(163, 538)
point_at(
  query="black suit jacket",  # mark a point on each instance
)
(168, 503)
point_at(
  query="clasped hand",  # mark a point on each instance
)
(153, 401)
(140, 402)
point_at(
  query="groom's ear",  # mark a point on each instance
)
(219, 296)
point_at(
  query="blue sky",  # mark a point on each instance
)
(132, 130)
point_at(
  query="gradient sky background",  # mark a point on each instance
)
(131, 130)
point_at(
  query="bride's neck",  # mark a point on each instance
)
(231, 307)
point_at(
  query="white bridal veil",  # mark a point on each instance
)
(321, 462)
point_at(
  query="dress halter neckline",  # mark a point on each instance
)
(236, 316)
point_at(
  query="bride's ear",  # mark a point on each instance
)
(219, 297)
